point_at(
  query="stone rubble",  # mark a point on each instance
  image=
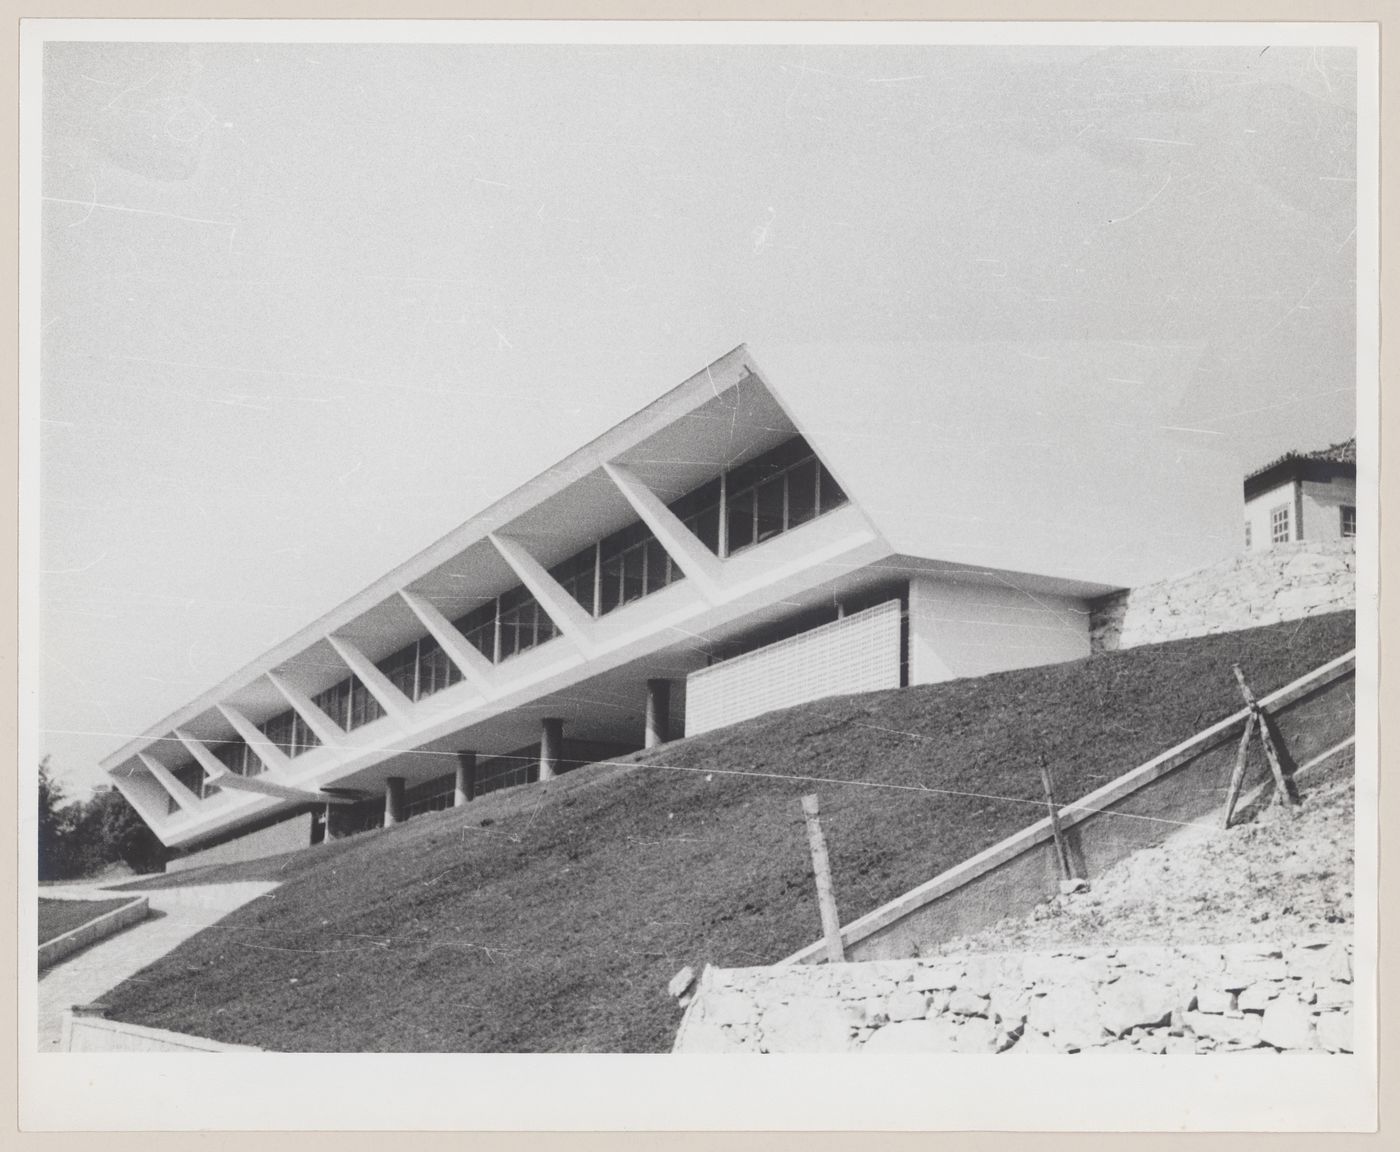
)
(1285, 582)
(1155, 1000)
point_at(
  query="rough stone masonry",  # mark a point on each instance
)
(1286, 582)
(1237, 998)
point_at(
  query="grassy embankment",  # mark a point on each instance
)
(549, 918)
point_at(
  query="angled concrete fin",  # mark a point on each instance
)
(254, 737)
(395, 704)
(696, 561)
(183, 796)
(478, 670)
(562, 608)
(327, 730)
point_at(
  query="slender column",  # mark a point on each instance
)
(551, 747)
(332, 832)
(466, 779)
(393, 801)
(658, 712)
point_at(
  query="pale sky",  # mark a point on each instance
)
(308, 307)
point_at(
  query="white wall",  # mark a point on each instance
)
(859, 653)
(1322, 503)
(286, 836)
(1313, 504)
(1258, 513)
(959, 629)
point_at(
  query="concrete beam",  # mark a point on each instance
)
(563, 609)
(154, 819)
(187, 800)
(478, 671)
(265, 787)
(254, 737)
(686, 549)
(331, 734)
(396, 705)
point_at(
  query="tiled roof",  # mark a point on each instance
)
(1340, 453)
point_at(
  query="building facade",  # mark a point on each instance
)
(1302, 496)
(734, 547)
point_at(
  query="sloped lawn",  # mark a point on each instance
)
(550, 918)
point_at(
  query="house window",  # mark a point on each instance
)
(1248, 536)
(1279, 521)
(1348, 520)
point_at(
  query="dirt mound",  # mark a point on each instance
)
(1271, 876)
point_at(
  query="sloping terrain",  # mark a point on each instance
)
(550, 918)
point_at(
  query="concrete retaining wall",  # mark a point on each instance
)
(287, 836)
(1285, 582)
(1138, 809)
(1290, 996)
(87, 1030)
(108, 924)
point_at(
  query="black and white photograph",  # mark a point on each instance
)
(676, 541)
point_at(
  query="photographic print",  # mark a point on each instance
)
(782, 542)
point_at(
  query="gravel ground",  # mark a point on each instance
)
(1270, 877)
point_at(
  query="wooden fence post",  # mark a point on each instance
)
(1061, 852)
(1266, 738)
(821, 865)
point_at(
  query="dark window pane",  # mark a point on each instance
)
(706, 528)
(741, 520)
(399, 669)
(547, 630)
(610, 592)
(633, 584)
(831, 494)
(658, 566)
(510, 635)
(770, 508)
(802, 493)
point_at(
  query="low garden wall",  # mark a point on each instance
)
(1268, 997)
(86, 1029)
(1285, 582)
(108, 924)
(1312, 716)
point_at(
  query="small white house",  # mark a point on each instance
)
(1302, 496)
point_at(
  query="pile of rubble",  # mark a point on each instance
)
(1256, 998)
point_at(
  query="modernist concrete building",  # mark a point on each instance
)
(755, 538)
(1302, 496)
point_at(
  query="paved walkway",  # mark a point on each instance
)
(176, 915)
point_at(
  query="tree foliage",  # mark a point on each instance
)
(80, 838)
